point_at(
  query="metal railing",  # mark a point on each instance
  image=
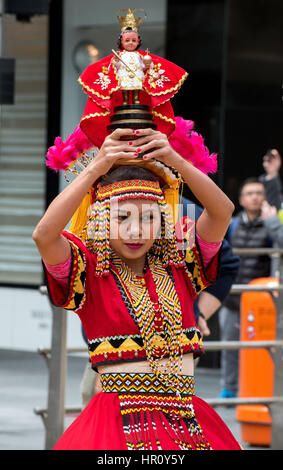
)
(56, 359)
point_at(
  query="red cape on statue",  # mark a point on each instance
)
(101, 84)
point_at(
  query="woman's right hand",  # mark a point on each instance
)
(53, 247)
(114, 149)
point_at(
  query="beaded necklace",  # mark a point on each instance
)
(160, 323)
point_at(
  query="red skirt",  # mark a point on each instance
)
(136, 412)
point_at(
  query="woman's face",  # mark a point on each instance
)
(130, 41)
(134, 226)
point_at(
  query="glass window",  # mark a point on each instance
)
(22, 150)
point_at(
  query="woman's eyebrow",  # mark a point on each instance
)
(150, 209)
(121, 211)
(128, 211)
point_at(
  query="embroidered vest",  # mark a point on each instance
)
(109, 306)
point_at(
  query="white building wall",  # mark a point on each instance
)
(26, 321)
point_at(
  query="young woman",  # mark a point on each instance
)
(133, 289)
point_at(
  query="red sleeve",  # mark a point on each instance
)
(199, 275)
(73, 296)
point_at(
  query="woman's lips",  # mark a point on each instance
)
(134, 246)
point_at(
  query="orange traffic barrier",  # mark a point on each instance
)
(256, 368)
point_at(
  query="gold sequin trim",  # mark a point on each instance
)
(95, 115)
(165, 118)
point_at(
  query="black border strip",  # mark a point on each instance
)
(54, 91)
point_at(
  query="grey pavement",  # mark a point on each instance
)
(24, 387)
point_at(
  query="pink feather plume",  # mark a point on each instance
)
(190, 145)
(62, 154)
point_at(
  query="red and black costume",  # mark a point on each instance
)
(140, 411)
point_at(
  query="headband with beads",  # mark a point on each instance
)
(97, 230)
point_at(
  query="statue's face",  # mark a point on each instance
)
(130, 41)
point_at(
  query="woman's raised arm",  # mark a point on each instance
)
(218, 209)
(52, 246)
(214, 221)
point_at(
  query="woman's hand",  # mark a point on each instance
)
(114, 149)
(214, 221)
(156, 146)
(203, 327)
(52, 246)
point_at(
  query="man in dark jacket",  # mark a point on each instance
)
(211, 299)
(247, 230)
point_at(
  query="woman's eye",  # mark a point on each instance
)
(147, 217)
(121, 218)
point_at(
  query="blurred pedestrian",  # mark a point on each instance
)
(271, 178)
(210, 300)
(247, 230)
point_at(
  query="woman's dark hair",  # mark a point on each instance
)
(128, 30)
(127, 172)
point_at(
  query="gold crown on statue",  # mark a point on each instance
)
(129, 21)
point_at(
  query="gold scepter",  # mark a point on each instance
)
(127, 67)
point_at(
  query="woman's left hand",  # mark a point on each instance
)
(203, 327)
(155, 145)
